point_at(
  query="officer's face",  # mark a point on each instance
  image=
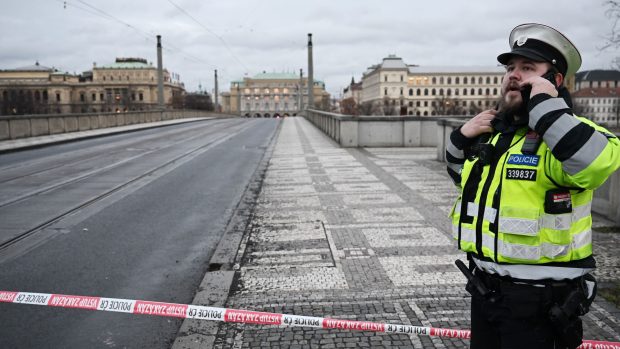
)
(519, 69)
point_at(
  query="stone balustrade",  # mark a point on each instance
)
(22, 126)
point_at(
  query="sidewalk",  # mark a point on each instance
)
(358, 234)
(33, 142)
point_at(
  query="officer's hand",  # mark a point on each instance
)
(479, 124)
(539, 85)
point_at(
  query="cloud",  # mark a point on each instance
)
(242, 37)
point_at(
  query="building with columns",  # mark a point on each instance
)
(127, 84)
(395, 88)
(272, 95)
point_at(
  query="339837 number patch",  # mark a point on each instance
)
(521, 174)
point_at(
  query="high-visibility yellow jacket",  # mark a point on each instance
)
(532, 208)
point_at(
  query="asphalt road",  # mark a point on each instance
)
(133, 216)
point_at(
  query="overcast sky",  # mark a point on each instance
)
(245, 37)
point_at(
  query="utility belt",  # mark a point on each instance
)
(563, 301)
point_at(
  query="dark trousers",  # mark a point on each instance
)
(516, 317)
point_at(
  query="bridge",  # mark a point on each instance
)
(269, 215)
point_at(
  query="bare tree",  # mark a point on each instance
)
(348, 106)
(580, 107)
(612, 39)
(389, 107)
(198, 101)
(366, 108)
(447, 106)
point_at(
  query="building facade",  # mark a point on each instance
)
(272, 95)
(395, 88)
(125, 85)
(597, 96)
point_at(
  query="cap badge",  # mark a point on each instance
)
(521, 41)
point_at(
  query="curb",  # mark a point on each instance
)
(215, 286)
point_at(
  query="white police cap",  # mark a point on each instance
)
(544, 44)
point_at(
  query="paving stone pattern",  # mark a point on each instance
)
(361, 234)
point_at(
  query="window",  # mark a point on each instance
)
(441, 91)
(464, 92)
(473, 92)
(480, 80)
(411, 104)
(411, 92)
(385, 78)
(457, 80)
(488, 80)
(449, 80)
(495, 91)
(401, 91)
(426, 103)
(441, 80)
(426, 92)
(101, 96)
(417, 104)
(487, 91)
(57, 97)
(385, 92)
(434, 80)
(82, 98)
(456, 91)
(401, 78)
(433, 92)
(480, 91)
(495, 80)
(418, 92)
(94, 97)
(465, 80)
(141, 96)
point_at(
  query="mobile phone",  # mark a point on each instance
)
(527, 89)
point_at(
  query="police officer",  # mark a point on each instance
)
(526, 172)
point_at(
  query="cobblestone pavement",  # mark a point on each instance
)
(361, 234)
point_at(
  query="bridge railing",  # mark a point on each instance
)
(22, 126)
(377, 131)
(416, 131)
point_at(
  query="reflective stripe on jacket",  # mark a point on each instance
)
(501, 215)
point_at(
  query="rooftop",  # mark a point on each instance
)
(600, 92)
(275, 76)
(34, 67)
(597, 75)
(127, 63)
(456, 69)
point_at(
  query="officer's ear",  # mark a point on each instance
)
(559, 79)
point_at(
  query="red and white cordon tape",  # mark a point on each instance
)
(241, 316)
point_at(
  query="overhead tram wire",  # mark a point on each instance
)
(98, 12)
(212, 33)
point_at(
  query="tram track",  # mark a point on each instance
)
(179, 159)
